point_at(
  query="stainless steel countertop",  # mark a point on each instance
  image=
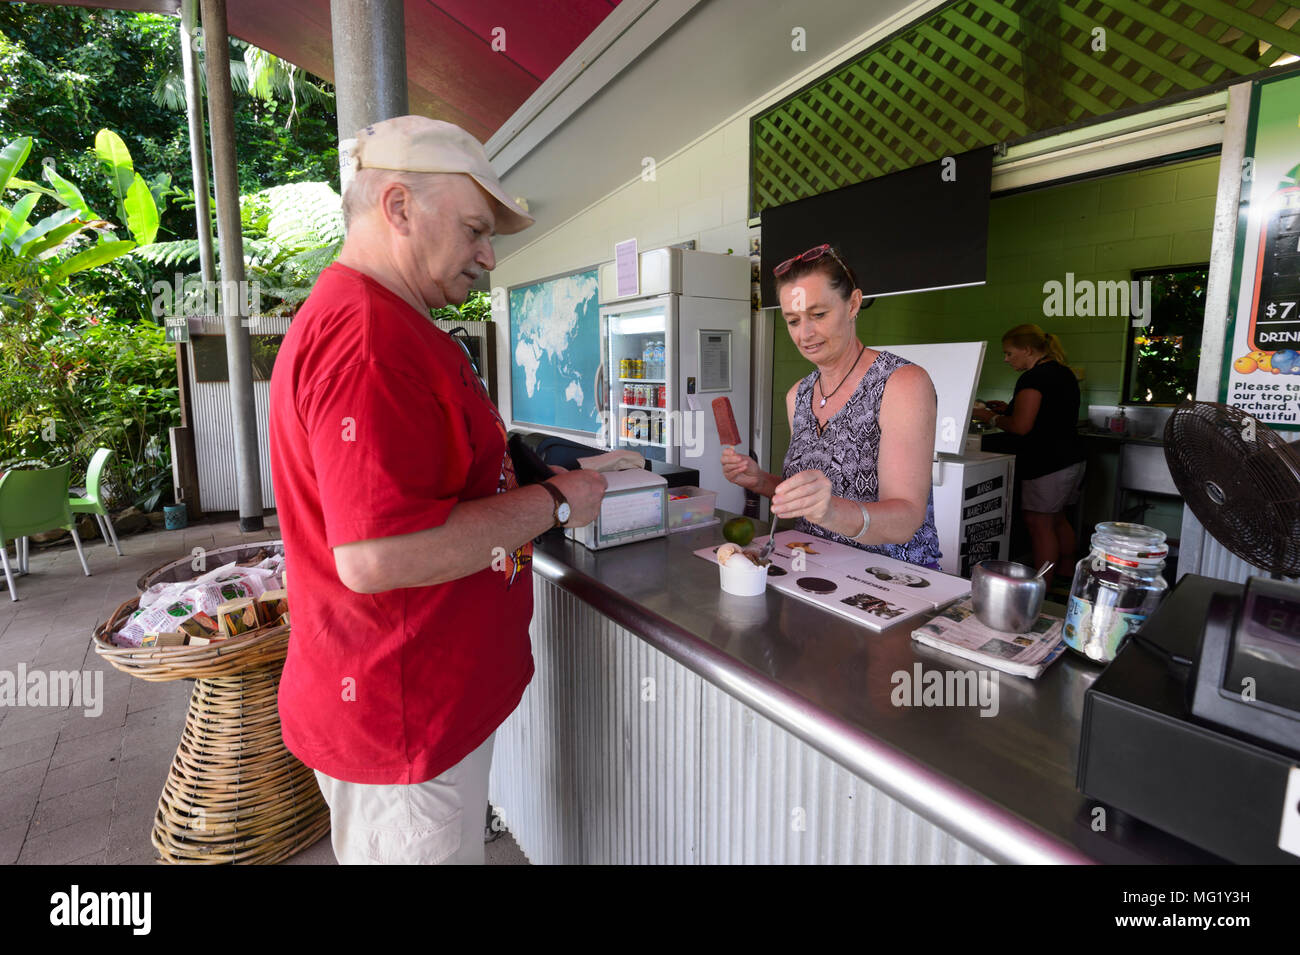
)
(1002, 784)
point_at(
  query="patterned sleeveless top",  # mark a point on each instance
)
(846, 452)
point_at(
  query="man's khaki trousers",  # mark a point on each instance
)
(435, 822)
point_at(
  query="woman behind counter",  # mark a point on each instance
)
(1049, 455)
(861, 425)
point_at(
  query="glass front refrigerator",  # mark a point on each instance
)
(668, 351)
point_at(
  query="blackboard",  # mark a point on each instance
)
(1275, 319)
(919, 229)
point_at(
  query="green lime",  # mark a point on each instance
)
(739, 530)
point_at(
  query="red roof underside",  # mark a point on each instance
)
(452, 70)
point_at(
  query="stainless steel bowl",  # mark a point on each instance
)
(1006, 595)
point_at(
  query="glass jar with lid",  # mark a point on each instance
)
(1116, 587)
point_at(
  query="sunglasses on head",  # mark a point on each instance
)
(812, 255)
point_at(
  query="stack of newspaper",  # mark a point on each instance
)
(957, 631)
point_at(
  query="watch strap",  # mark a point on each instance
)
(559, 497)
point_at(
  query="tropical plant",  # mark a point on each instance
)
(291, 233)
(259, 74)
(72, 376)
(67, 69)
(37, 259)
(96, 384)
(1162, 365)
(477, 307)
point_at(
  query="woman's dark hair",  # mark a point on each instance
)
(839, 275)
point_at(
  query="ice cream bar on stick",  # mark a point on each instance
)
(725, 418)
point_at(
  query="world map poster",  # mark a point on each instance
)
(555, 351)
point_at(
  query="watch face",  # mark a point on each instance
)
(563, 513)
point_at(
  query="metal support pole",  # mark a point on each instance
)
(221, 118)
(369, 39)
(198, 138)
(1219, 291)
(184, 458)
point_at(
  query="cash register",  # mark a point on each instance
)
(635, 505)
(634, 508)
(1195, 726)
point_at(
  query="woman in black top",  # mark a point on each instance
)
(1049, 455)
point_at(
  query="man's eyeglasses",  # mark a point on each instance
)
(812, 255)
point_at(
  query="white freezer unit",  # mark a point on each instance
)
(696, 306)
(972, 508)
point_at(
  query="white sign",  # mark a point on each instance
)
(954, 369)
(627, 275)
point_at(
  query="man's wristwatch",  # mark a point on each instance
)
(561, 505)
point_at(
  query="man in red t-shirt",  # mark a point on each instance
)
(407, 539)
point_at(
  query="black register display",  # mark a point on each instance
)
(1247, 676)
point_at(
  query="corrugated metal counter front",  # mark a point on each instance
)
(671, 722)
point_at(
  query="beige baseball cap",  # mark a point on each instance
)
(420, 144)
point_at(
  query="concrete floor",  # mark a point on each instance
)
(82, 790)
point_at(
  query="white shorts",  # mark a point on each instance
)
(1052, 493)
(430, 823)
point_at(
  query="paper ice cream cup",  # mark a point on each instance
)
(740, 577)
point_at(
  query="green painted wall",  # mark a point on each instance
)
(1101, 230)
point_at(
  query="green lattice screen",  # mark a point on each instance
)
(979, 72)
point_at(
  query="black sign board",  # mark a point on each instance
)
(919, 229)
(1275, 322)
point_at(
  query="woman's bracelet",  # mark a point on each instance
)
(866, 520)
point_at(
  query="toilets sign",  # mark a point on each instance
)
(1261, 357)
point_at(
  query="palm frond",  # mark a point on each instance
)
(259, 74)
(170, 254)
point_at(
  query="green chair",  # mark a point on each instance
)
(91, 503)
(31, 502)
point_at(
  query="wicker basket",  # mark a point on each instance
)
(266, 647)
(233, 793)
(182, 568)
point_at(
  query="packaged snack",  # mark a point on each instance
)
(237, 616)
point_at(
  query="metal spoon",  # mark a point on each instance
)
(1045, 568)
(766, 552)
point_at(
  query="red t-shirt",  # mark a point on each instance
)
(379, 427)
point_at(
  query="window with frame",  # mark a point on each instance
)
(1163, 357)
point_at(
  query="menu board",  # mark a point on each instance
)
(1261, 373)
(868, 588)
